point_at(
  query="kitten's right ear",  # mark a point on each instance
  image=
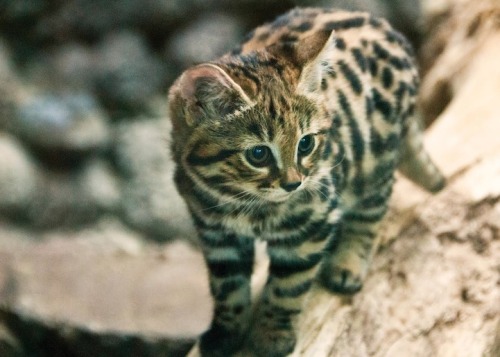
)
(202, 92)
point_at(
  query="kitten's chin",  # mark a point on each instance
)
(277, 196)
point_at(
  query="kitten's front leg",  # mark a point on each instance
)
(291, 273)
(344, 269)
(229, 260)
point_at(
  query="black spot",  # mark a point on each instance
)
(400, 63)
(359, 58)
(303, 27)
(263, 36)
(387, 77)
(376, 142)
(380, 51)
(351, 76)
(369, 107)
(373, 66)
(345, 24)
(382, 105)
(375, 22)
(288, 37)
(340, 44)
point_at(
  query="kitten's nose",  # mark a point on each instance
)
(290, 186)
(291, 180)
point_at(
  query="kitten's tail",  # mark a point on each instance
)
(415, 162)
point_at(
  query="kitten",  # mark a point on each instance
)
(293, 138)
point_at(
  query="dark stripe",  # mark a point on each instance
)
(218, 240)
(360, 59)
(345, 24)
(222, 155)
(227, 268)
(373, 66)
(207, 200)
(324, 189)
(296, 221)
(293, 292)
(302, 27)
(282, 268)
(226, 288)
(380, 51)
(357, 141)
(351, 76)
(351, 229)
(363, 216)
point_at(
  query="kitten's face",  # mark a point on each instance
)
(261, 153)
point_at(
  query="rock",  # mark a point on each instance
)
(150, 201)
(105, 279)
(66, 122)
(206, 38)
(74, 65)
(9, 87)
(74, 198)
(18, 176)
(127, 73)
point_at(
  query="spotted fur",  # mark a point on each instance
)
(293, 138)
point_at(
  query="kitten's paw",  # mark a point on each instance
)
(344, 276)
(271, 343)
(219, 342)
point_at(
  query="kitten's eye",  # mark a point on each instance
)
(306, 145)
(259, 156)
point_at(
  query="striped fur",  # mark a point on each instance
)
(293, 138)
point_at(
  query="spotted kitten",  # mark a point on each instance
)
(293, 138)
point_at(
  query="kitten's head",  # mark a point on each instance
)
(252, 126)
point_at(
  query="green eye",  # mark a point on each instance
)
(306, 145)
(259, 156)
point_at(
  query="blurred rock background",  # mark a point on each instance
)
(85, 170)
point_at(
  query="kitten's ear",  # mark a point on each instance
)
(202, 92)
(309, 55)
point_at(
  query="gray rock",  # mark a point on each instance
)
(9, 87)
(127, 73)
(205, 39)
(18, 176)
(75, 197)
(70, 122)
(150, 201)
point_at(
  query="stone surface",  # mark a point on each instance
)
(18, 176)
(105, 277)
(66, 122)
(205, 39)
(127, 73)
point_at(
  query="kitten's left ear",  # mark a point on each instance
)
(309, 55)
(203, 92)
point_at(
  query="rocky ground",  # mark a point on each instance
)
(94, 239)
